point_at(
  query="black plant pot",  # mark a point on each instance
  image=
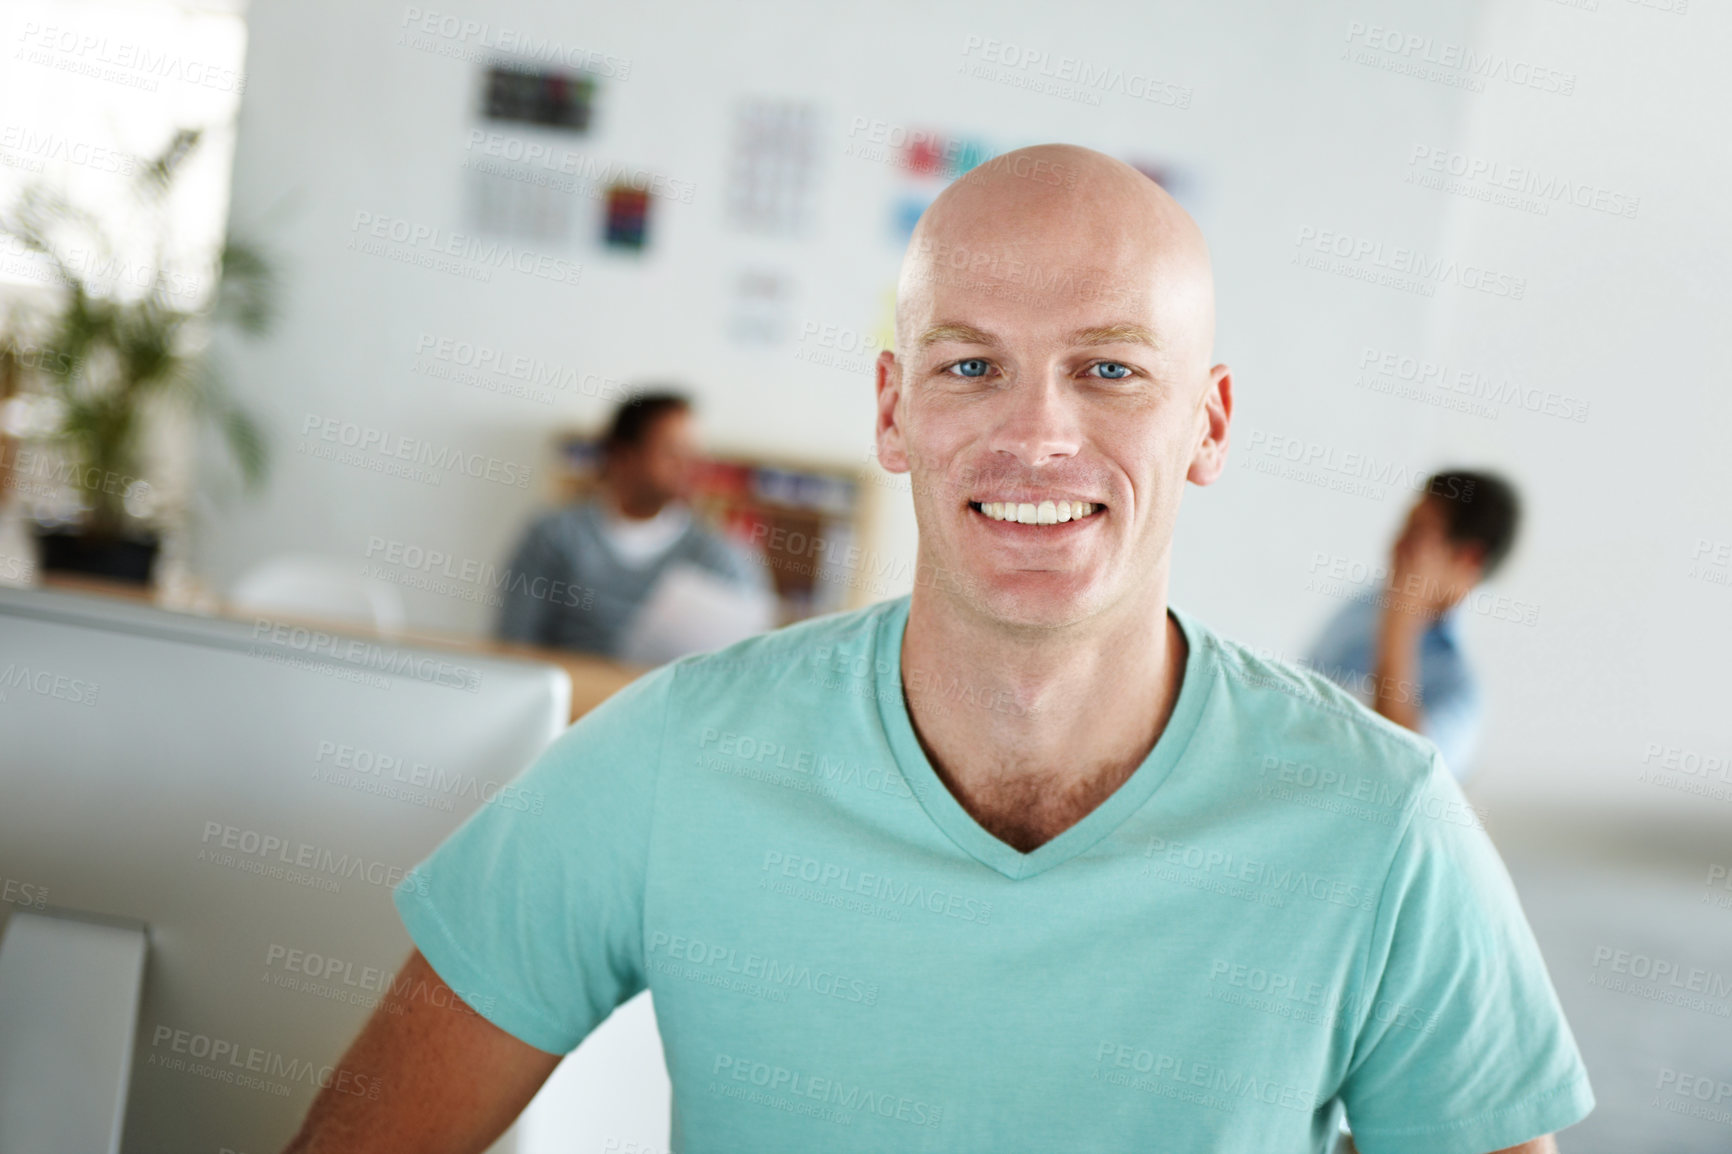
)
(126, 559)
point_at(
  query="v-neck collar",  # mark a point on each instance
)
(959, 825)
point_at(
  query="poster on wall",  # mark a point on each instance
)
(547, 97)
(925, 161)
(507, 200)
(772, 167)
(520, 177)
(627, 222)
(760, 306)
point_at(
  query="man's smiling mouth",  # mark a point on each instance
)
(1047, 512)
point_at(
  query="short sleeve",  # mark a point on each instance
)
(1460, 1045)
(532, 910)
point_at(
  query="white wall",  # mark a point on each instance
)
(1282, 135)
(1624, 312)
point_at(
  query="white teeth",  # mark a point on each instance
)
(1044, 513)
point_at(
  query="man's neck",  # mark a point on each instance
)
(1031, 731)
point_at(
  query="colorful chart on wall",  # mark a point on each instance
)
(553, 98)
(627, 222)
(924, 160)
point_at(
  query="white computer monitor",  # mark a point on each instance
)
(251, 791)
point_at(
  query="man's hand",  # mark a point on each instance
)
(1395, 664)
(1427, 574)
(426, 1074)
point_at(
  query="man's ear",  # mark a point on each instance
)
(1216, 403)
(892, 452)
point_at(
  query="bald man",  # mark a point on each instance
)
(1027, 860)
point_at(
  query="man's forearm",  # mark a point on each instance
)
(1397, 667)
(427, 1074)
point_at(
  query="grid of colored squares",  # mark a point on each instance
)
(627, 217)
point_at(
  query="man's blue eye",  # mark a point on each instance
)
(978, 369)
(1113, 371)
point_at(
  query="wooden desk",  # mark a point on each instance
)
(593, 679)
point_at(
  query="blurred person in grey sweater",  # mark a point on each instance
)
(582, 573)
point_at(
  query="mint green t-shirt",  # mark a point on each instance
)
(1287, 911)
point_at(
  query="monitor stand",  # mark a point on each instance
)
(69, 995)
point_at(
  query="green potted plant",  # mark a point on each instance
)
(95, 365)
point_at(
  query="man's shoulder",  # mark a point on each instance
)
(1310, 710)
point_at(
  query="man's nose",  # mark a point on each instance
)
(1036, 422)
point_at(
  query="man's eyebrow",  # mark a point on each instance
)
(960, 334)
(1120, 334)
(1117, 335)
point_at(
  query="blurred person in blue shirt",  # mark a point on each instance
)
(582, 573)
(1397, 647)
